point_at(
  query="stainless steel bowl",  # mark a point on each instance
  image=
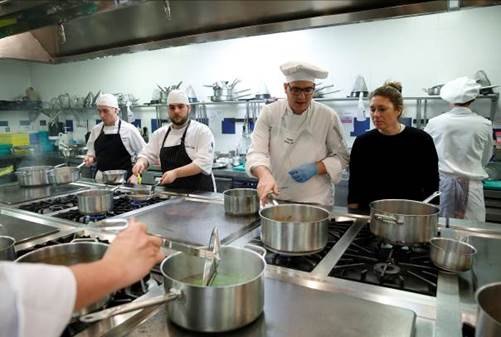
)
(452, 255)
(114, 176)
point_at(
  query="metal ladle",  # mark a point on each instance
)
(211, 263)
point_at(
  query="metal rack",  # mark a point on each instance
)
(422, 105)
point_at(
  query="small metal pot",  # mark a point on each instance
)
(7, 248)
(241, 201)
(33, 175)
(237, 301)
(489, 311)
(403, 222)
(451, 255)
(95, 202)
(114, 177)
(67, 254)
(294, 229)
(64, 175)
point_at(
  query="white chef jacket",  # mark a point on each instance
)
(282, 141)
(199, 145)
(35, 299)
(131, 138)
(464, 142)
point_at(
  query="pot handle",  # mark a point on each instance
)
(387, 219)
(260, 250)
(124, 308)
(84, 240)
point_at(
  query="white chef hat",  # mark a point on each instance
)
(177, 97)
(460, 90)
(107, 100)
(302, 71)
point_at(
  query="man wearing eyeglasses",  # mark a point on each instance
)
(298, 148)
(113, 144)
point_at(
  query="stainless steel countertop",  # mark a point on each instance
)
(291, 310)
(189, 220)
(439, 317)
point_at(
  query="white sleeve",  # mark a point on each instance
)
(151, 151)
(337, 151)
(94, 133)
(259, 150)
(204, 152)
(489, 147)
(43, 297)
(136, 142)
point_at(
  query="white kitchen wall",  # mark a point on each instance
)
(418, 51)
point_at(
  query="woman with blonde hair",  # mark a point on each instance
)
(392, 161)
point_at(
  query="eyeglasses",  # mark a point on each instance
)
(296, 91)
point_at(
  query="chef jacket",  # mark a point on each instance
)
(282, 141)
(199, 144)
(36, 300)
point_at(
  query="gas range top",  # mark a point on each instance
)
(66, 207)
(120, 205)
(305, 263)
(370, 260)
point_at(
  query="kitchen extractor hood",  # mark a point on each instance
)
(70, 30)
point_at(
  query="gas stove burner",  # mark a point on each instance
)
(386, 269)
(303, 262)
(94, 218)
(51, 205)
(369, 260)
(120, 205)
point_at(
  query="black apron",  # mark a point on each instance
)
(172, 157)
(111, 153)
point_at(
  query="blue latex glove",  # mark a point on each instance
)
(304, 172)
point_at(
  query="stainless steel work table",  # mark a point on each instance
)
(294, 311)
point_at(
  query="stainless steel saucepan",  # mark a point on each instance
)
(33, 175)
(7, 249)
(241, 201)
(403, 222)
(95, 201)
(234, 299)
(489, 311)
(114, 177)
(67, 254)
(294, 229)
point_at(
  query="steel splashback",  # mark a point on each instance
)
(95, 28)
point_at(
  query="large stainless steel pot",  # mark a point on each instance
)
(489, 311)
(451, 255)
(95, 202)
(294, 229)
(64, 175)
(7, 250)
(67, 254)
(403, 222)
(241, 201)
(235, 298)
(33, 175)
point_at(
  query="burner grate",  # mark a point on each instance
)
(305, 263)
(369, 260)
